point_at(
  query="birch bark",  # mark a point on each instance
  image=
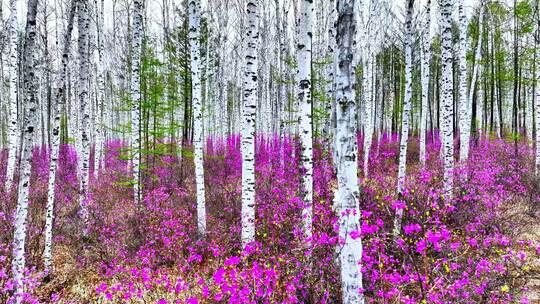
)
(250, 88)
(84, 71)
(100, 87)
(447, 104)
(346, 151)
(406, 114)
(426, 56)
(537, 109)
(464, 122)
(194, 37)
(59, 96)
(30, 83)
(466, 133)
(304, 57)
(137, 32)
(13, 71)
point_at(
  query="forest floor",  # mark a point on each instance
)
(532, 287)
(483, 246)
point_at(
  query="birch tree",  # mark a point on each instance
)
(13, 88)
(367, 33)
(425, 57)
(447, 102)
(367, 92)
(537, 103)
(480, 105)
(466, 133)
(30, 83)
(248, 130)
(59, 96)
(346, 151)
(330, 70)
(402, 166)
(304, 54)
(83, 84)
(464, 124)
(100, 86)
(194, 37)
(136, 48)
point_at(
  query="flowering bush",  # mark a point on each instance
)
(472, 248)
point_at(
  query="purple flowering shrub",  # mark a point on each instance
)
(472, 248)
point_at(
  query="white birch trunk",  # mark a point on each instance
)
(480, 105)
(330, 71)
(537, 120)
(346, 148)
(466, 133)
(529, 115)
(464, 121)
(305, 123)
(402, 166)
(426, 56)
(30, 83)
(447, 102)
(136, 43)
(84, 71)
(194, 36)
(13, 144)
(248, 131)
(59, 95)
(100, 88)
(367, 83)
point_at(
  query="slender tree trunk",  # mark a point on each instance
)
(13, 72)
(194, 37)
(464, 120)
(59, 96)
(346, 148)
(537, 105)
(30, 83)
(330, 72)
(136, 50)
(304, 55)
(517, 75)
(367, 84)
(480, 104)
(466, 132)
(84, 71)
(405, 115)
(248, 131)
(529, 105)
(426, 55)
(100, 88)
(447, 131)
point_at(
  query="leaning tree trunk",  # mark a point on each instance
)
(406, 114)
(305, 123)
(464, 125)
(447, 106)
(13, 145)
(59, 95)
(346, 151)
(84, 71)
(136, 45)
(426, 55)
(194, 36)
(30, 83)
(248, 131)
